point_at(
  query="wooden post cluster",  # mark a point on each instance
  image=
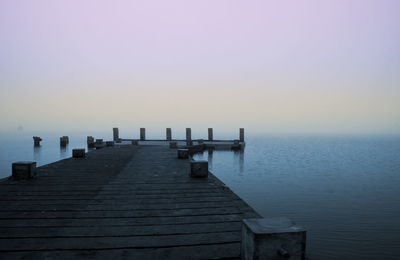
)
(36, 141)
(272, 238)
(142, 134)
(168, 134)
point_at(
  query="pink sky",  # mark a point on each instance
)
(269, 66)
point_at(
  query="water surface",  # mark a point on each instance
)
(343, 189)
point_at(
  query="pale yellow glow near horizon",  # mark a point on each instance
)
(258, 107)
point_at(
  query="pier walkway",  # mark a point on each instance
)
(127, 202)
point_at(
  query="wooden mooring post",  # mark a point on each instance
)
(210, 134)
(168, 134)
(142, 134)
(115, 134)
(36, 141)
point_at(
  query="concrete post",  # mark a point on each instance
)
(188, 134)
(36, 141)
(115, 134)
(272, 238)
(241, 134)
(199, 169)
(210, 134)
(23, 170)
(78, 153)
(183, 153)
(142, 134)
(168, 134)
(173, 145)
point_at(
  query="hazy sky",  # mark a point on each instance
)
(269, 66)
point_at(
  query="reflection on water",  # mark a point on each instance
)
(344, 190)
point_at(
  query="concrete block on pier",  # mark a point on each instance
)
(199, 169)
(142, 134)
(272, 238)
(168, 134)
(78, 153)
(173, 145)
(23, 170)
(109, 143)
(210, 134)
(115, 133)
(183, 153)
(36, 141)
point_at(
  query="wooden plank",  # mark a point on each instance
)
(131, 202)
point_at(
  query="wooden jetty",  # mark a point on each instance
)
(134, 202)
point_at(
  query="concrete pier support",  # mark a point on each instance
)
(142, 134)
(272, 238)
(199, 169)
(78, 153)
(90, 142)
(168, 134)
(36, 141)
(183, 153)
(210, 134)
(173, 145)
(23, 170)
(188, 134)
(115, 134)
(241, 134)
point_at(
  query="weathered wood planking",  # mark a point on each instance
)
(132, 202)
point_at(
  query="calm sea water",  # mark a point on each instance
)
(344, 190)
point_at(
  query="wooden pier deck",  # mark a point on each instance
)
(127, 202)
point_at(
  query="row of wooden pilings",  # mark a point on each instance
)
(168, 134)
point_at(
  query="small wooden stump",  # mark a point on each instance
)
(36, 141)
(200, 141)
(99, 141)
(109, 143)
(135, 142)
(272, 238)
(199, 169)
(90, 142)
(23, 170)
(173, 145)
(78, 153)
(183, 153)
(63, 141)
